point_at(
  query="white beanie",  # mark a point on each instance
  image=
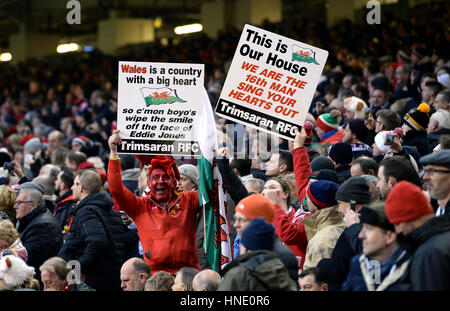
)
(14, 271)
(379, 141)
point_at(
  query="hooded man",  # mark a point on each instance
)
(165, 219)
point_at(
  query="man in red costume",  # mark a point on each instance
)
(166, 220)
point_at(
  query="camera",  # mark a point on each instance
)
(8, 166)
(388, 139)
(367, 114)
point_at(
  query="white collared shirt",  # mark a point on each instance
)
(440, 212)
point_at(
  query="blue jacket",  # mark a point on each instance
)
(391, 271)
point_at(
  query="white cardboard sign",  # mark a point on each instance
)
(271, 82)
(158, 107)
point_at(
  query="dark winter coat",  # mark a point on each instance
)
(64, 205)
(429, 268)
(337, 267)
(41, 235)
(256, 271)
(418, 140)
(82, 287)
(96, 240)
(391, 272)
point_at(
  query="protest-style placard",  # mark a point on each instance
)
(271, 82)
(158, 107)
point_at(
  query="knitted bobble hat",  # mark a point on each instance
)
(418, 118)
(81, 140)
(406, 202)
(327, 122)
(256, 205)
(258, 235)
(322, 193)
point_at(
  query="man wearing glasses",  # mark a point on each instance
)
(437, 179)
(39, 231)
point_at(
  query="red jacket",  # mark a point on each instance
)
(288, 227)
(167, 237)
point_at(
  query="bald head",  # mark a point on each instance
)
(206, 280)
(133, 274)
(55, 139)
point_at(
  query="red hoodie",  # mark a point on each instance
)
(167, 237)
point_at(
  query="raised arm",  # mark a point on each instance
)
(302, 167)
(127, 201)
(234, 185)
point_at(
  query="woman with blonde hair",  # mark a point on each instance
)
(10, 243)
(7, 200)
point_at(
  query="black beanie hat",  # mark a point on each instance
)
(420, 52)
(258, 235)
(321, 163)
(341, 153)
(418, 118)
(355, 188)
(324, 174)
(358, 127)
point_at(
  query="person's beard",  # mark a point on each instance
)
(427, 186)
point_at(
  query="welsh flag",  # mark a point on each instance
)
(160, 96)
(217, 242)
(303, 54)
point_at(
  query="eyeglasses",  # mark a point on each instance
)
(20, 202)
(431, 171)
(376, 121)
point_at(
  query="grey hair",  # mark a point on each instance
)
(34, 195)
(256, 181)
(442, 117)
(57, 266)
(370, 179)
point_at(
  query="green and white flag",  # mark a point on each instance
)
(217, 242)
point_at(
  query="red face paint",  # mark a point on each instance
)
(161, 186)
